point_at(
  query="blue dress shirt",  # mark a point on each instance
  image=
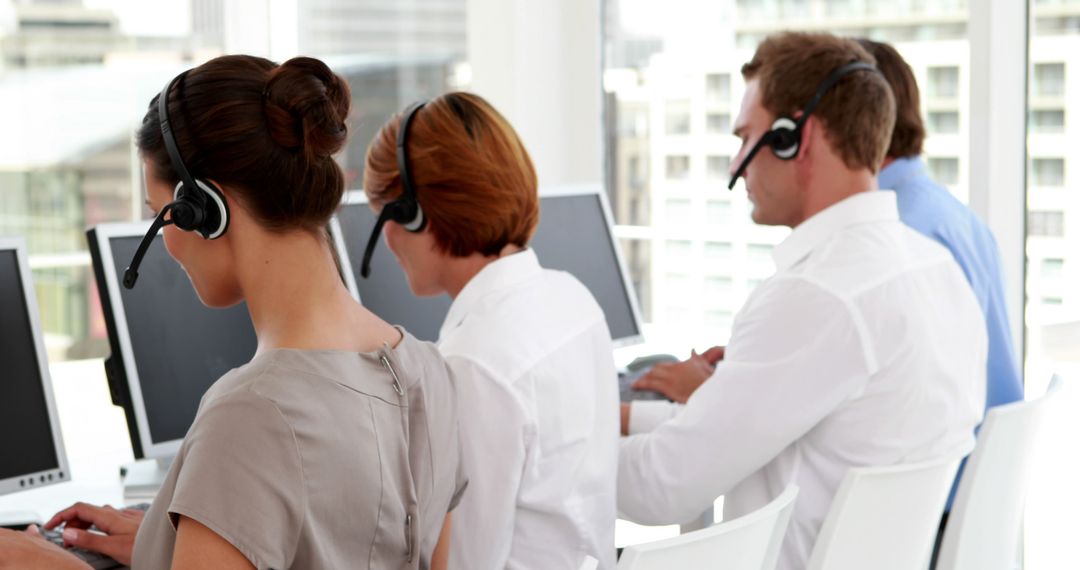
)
(931, 210)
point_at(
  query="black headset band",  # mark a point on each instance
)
(408, 192)
(837, 74)
(167, 137)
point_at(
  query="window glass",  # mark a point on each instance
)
(76, 77)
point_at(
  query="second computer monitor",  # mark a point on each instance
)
(167, 347)
(31, 448)
(574, 235)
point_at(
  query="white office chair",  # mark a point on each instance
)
(885, 518)
(750, 542)
(984, 526)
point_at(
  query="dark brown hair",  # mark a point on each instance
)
(473, 177)
(858, 112)
(908, 134)
(266, 131)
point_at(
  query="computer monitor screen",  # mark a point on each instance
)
(573, 235)
(31, 449)
(386, 290)
(167, 347)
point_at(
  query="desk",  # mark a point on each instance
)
(95, 439)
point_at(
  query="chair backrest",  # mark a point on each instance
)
(750, 542)
(885, 518)
(984, 526)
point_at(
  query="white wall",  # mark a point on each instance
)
(538, 62)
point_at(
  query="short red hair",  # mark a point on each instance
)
(472, 175)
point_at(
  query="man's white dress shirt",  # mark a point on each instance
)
(867, 347)
(539, 409)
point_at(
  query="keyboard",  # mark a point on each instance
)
(627, 394)
(96, 560)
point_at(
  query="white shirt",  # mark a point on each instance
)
(539, 411)
(867, 347)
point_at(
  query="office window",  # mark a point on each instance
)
(677, 167)
(717, 167)
(678, 247)
(1049, 79)
(945, 171)
(1047, 121)
(1052, 267)
(680, 285)
(115, 55)
(943, 122)
(759, 251)
(943, 82)
(717, 319)
(718, 286)
(718, 212)
(718, 123)
(1046, 223)
(678, 210)
(717, 251)
(677, 118)
(1048, 171)
(718, 87)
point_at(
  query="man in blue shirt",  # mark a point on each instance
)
(931, 210)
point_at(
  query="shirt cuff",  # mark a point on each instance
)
(646, 415)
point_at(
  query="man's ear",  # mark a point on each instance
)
(809, 129)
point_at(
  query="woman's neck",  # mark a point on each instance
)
(297, 300)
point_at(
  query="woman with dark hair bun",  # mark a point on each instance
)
(337, 445)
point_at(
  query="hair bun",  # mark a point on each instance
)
(306, 106)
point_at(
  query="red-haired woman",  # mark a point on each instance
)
(529, 347)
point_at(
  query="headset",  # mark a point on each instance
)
(405, 210)
(198, 205)
(786, 133)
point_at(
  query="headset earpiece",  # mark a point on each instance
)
(405, 210)
(784, 138)
(418, 222)
(209, 212)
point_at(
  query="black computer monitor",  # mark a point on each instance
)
(167, 347)
(31, 447)
(574, 235)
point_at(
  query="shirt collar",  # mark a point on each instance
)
(503, 273)
(864, 207)
(893, 176)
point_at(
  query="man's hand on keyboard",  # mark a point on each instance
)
(27, 550)
(119, 528)
(678, 380)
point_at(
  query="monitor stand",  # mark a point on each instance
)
(144, 477)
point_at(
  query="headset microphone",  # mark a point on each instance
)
(406, 209)
(131, 274)
(198, 205)
(786, 132)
